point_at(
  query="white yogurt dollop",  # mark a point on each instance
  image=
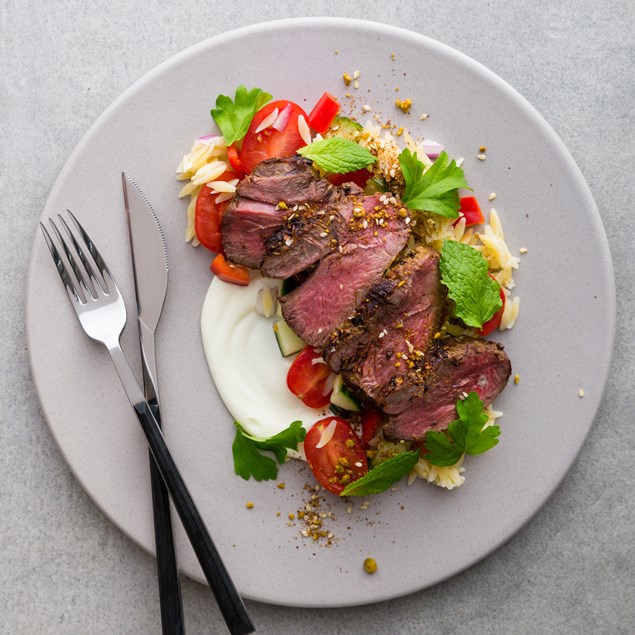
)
(246, 365)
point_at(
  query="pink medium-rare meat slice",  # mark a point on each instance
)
(308, 236)
(291, 180)
(450, 369)
(245, 226)
(376, 234)
(264, 200)
(392, 327)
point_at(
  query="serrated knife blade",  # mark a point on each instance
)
(150, 267)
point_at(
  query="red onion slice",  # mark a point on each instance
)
(282, 120)
(432, 148)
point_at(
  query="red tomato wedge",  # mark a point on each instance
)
(370, 420)
(359, 177)
(235, 162)
(471, 210)
(323, 113)
(271, 142)
(495, 321)
(208, 214)
(335, 454)
(229, 272)
(307, 378)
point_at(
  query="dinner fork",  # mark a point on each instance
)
(102, 314)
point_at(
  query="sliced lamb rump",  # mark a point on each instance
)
(310, 235)
(262, 204)
(376, 234)
(289, 179)
(450, 369)
(393, 325)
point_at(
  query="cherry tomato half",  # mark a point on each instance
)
(208, 214)
(229, 272)
(271, 143)
(341, 460)
(307, 378)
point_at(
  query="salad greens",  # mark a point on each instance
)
(465, 435)
(233, 117)
(464, 271)
(436, 189)
(247, 451)
(338, 155)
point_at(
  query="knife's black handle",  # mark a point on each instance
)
(227, 597)
(169, 588)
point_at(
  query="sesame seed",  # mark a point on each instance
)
(323, 235)
(341, 286)
(356, 74)
(349, 509)
(580, 393)
(481, 157)
(356, 84)
(523, 250)
(424, 116)
(492, 196)
(366, 107)
(407, 221)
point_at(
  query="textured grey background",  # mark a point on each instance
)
(64, 568)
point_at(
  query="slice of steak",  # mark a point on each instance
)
(262, 205)
(449, 370)
(308, 236)
(393, 325)
(289, 179)
(376, 233)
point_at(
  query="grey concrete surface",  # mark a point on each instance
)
(64, 568)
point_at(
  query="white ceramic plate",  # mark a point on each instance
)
(561, 343)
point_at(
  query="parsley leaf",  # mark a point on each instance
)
(247, 451)
(233, 117)
(463, 436)
(436, 189)
(464, 272)
(338, 155)
(382, 476)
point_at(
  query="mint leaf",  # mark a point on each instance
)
(436, 189)
(382, 476)
(464, 272)
(337, 155)
(248, 458)
(466, 435)
(233, 117)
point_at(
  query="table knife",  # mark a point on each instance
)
(150, 267)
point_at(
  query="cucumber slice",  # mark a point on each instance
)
(342, 398)
(288, 342)
(345, 127)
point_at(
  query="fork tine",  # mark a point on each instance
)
(61, 269)
(94, 252)
(79, 274)
(96, 282)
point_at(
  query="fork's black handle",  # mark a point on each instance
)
(227, 597)
(169, 588)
